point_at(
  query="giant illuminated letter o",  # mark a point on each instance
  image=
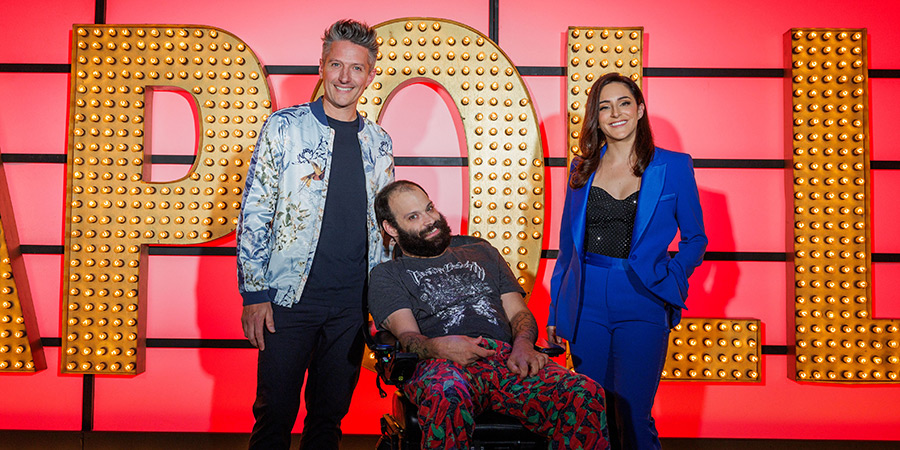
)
(506, 162)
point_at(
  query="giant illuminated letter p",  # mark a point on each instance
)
(112, 214)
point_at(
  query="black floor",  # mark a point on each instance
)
(72, 440)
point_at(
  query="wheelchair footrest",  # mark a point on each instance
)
(493, 431)
(498, 431)
(393, 436)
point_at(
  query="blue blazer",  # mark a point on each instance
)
(668, 201)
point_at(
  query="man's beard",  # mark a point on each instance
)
(417, 244)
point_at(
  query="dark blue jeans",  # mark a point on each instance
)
(325, 342)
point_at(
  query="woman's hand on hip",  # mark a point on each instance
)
(552, 337)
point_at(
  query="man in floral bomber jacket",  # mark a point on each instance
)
(306, 239)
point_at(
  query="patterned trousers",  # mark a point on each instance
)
(566, 407)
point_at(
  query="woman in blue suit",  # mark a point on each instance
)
(615, 291)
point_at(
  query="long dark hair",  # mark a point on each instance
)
(592, 138)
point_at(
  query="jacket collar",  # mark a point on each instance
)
(318, 109)
(579, 213)
(652, 182)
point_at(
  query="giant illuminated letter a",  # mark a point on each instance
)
(20, 341)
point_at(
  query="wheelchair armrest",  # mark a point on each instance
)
(398, 369)
(385, 342)
(394, 367)
(544, 346)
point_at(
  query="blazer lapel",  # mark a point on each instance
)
(652, 182)
(579, 212)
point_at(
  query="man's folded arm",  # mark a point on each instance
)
(524, 360)
(521, 321)
(462, 350)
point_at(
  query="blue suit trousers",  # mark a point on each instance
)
(621, 343)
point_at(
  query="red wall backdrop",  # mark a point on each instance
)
(198, 379)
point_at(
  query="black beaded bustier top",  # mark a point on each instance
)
(609, 223)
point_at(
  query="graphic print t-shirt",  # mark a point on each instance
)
(456, 293)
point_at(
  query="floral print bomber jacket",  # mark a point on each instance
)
(284, 201)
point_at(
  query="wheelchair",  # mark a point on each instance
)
(400, 430)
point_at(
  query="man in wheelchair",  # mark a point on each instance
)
(455, 303)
